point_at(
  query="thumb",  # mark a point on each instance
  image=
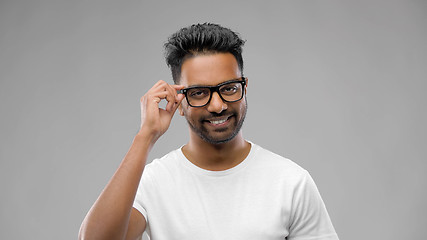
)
(178, 102)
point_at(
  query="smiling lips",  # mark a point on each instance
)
(219, 121)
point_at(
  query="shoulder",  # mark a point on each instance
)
(162, 166)
(266, 161)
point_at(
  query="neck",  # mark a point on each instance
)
(217, 157)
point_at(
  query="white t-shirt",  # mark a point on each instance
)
(265, 197)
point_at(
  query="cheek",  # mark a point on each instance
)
(243, 105)
(186, 112)
(243, 109)
(183, 108)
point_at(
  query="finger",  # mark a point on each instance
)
(159, 87)
(177, 87)
(174, 106)
(162, 86)
(159, 83)
(180, 98)
(173, 98)
(171, 102)
(158, 96)
(174, 88)
(163, 90)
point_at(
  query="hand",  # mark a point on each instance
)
(155, 120)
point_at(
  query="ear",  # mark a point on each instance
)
(181, 111)
(246, 85)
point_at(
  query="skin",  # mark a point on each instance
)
(112, 215)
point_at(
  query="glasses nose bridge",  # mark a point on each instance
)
(215, 89)
(216, 103)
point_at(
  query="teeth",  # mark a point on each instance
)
(218, 121)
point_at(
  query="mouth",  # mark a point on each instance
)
(219, 121)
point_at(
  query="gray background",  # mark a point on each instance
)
(337, 86)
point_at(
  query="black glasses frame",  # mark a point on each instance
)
(216, 88)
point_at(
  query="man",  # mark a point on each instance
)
(218, 185)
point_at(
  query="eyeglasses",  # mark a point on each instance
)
(229, 91)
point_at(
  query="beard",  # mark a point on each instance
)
(221, 136)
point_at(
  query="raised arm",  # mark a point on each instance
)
(112, 215)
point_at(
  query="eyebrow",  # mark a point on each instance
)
(227, 81)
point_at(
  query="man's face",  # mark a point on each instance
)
(219, 121)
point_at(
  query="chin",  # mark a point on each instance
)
(219, 137)
(218, 141)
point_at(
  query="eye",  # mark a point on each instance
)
(198, 92)
(230, 89)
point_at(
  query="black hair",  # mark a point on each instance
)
(197, 39)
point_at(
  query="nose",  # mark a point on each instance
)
(216, 104)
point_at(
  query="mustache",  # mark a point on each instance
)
(218, 115)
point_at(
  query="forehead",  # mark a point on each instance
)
(209, 70)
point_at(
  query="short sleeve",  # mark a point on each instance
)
(139, 205)
(309, 218)
(140, 197)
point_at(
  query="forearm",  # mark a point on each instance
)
(109, 216)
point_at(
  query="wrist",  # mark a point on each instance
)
(146, 138)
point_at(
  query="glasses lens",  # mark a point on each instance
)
(232, 91)
(198, 96)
